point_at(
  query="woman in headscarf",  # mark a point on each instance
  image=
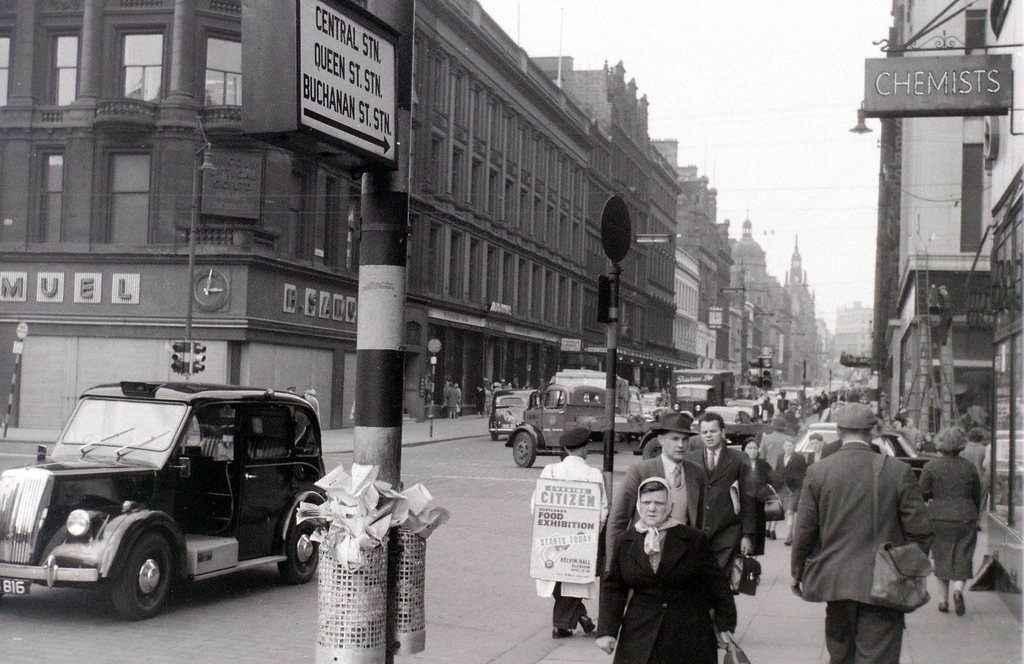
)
(675, 582)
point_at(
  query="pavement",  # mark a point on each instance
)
(414, 433)
(774, 625)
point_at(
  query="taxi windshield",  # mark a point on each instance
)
(105, 428)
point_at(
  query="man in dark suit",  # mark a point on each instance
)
(729, 517)
(673, 431)
(834, 542)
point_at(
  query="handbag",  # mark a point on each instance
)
(773, 510)
(744, 575)
(900, 578)
(735, 655)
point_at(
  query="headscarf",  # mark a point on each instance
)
(654, 536)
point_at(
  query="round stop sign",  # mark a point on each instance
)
(434, 346)
(21, 331)
(616, 230)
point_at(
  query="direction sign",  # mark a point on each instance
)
(571, 345)
(346, 78)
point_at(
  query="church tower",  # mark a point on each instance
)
(796, 273)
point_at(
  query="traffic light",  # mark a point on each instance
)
(766, 378)
(604, 299)
(198, 357)
(765, 362)
(180, 357)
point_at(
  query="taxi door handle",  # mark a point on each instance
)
(250, 476)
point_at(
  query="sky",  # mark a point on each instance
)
(761, 97)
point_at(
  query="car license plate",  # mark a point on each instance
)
(14, 586)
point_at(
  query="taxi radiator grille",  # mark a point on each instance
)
(22, 502)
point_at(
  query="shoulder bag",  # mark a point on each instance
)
(900, 579)
(773, 510)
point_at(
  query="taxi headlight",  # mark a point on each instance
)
(78, 523)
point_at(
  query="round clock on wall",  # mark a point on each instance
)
(211, 289)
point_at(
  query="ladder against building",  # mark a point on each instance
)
(931, 400)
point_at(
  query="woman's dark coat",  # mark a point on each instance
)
(667, 620)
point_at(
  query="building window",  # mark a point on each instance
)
(435, 247)
(142, 66)
(476, 290)
(508, 276)
(352, 230)
(523, 295)
(129, 199)
(65, 77)
(302, 231)
(327, 234)
(972, 197)
(492, 274)
(455, 266)
(223, 72)
(537, 293)
(458, 186)
(53, 198)
(5, 68)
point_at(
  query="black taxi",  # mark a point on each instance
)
(152, 483)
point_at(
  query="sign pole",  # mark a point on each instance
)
(611, 378)
(380, 358)
(19, 346)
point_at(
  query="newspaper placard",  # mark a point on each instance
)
(566, 528)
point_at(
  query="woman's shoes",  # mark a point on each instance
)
(943, 607)
(789, 541)
(587, 624)
(958, 603)
(559, 633)
(771, 534)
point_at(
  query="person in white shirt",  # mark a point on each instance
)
(569, 610)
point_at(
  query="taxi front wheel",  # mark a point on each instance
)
(141, 588)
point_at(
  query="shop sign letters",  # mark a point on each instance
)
(319, 304)
(87, 287)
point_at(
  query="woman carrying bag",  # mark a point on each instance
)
(672, 582)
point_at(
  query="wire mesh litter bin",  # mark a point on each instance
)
(410, 628)
(351, 609)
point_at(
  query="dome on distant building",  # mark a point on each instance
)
(747, 252)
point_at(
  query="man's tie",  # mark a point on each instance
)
(677, 476)
(712, 460)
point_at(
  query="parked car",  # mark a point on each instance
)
(891, 443)
(828, 433)
(507, 411)
(152, 483)
(652, 405)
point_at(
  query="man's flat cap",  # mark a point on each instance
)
(855, 416)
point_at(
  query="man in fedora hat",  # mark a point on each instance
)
(838, 529)
(685, 478)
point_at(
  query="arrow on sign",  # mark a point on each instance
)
(373, 140)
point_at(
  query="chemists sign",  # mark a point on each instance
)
(937, 86)
(346, 78)
(566, 528)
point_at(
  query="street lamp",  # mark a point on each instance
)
(193, 223)
(860, 127)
